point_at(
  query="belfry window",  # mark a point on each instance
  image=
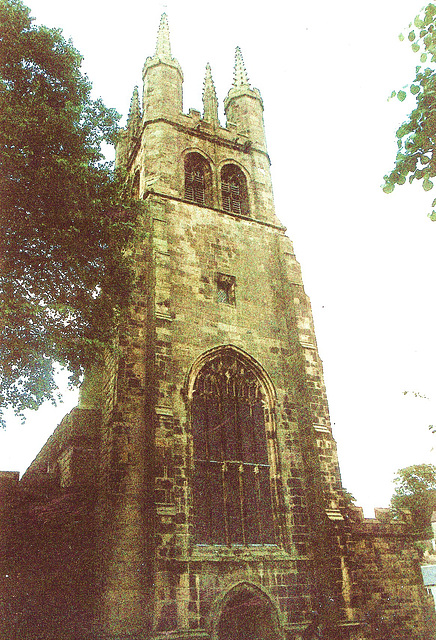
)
(232, 500)
(234, 190)
(197, 179)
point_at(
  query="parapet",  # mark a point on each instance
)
(384, 523)
(78, 431)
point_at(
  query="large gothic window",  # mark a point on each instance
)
(231, 482)
(234, 190)
(197, 179)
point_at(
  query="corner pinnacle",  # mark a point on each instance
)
(210, 102)
(240, 77)
(163, 46)
(135, 110)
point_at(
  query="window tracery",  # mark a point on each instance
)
(232, 499)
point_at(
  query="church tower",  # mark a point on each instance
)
(195, 491)
(222, 426)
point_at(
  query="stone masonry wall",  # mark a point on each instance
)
(191, 245)
(386, 580)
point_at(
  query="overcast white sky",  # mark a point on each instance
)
(325, 71)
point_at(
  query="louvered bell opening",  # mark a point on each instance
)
(227, 198)
(236, 206)
(231, 197)
(194, 186)
(199, 193)
(236, 197)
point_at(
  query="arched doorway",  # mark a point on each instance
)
(247, 614)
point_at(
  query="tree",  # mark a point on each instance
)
(416, 492)
(416, 156)
(65, 216)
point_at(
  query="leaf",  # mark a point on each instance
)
(388, 187)
(50, 116)
(401, 95)
(423, 57)
(401, 37)
(415, 47)
(411, 36)
(418, 22)
(427, 184)
(414, 89)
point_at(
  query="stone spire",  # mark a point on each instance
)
(243, 105)
(134, 117)
(240, 78)
(210, 102)
(163, 46)
(162, 78)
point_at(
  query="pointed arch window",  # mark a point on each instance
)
(234, 190)
(232, 500)
(197, 179)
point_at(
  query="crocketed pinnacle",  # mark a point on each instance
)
(240, 78)
(163, 46)
(210, 102)
(134, 116)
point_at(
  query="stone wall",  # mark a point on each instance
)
(386, 580)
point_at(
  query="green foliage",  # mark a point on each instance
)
(349, 499)
(65, 217)
(416, 138)
(416, 492)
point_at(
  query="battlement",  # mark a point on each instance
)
(70, 451)
(384, 523)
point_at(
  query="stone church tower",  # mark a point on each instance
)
(200, 466)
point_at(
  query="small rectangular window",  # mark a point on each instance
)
(226, 288)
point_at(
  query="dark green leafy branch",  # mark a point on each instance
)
(66, 216)
(416, 137)
(415, 492)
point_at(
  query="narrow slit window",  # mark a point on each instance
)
(226, 289)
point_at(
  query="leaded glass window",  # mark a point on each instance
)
(231, 484)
